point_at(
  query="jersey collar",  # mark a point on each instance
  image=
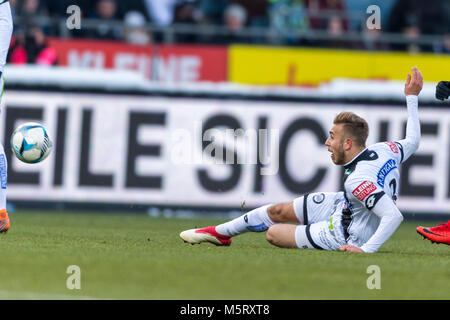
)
(363, 155)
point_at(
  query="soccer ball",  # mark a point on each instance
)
(31, 143)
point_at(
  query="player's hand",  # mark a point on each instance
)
(350, 248)
(414, 83)
(443, 90)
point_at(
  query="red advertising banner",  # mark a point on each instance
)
(165, 63)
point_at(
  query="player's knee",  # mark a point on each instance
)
(271, 235)
(277, 236)
(279, 212)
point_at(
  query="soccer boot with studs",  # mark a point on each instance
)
(208, 234)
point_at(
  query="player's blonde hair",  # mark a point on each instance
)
(354, 125)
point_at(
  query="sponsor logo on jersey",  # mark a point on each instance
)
(384, 171)
(363, 190)
(372, 200)
(393, 146)
(318, 198)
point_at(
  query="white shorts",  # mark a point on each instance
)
(314, 212)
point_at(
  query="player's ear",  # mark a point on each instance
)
(348, 143)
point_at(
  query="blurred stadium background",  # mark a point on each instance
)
(128, 95)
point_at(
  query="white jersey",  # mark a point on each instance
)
(372, 174)
(368, 177)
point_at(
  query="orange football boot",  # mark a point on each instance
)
(438, 234)
(4, 221)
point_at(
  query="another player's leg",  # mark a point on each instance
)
(4, 219)
(438, 234)
(257, 220)
(6, 29)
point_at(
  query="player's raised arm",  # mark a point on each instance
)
(413, 86)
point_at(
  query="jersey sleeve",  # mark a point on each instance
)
(390, 220)
(395, 150)
(375, 200)
(410, 144)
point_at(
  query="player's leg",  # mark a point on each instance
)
(437, 234)
(312, 236)
(292, 236)
(314, 211)
(257, 220)
(4, 219)
(6, 28)
(262, 218)
(282, 235)
(306, 209)
(315, 207)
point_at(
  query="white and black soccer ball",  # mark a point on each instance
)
(31, 143)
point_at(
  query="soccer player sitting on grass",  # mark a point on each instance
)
(360, 218)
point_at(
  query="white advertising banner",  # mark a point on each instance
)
(148, 150)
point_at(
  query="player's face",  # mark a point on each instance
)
(335, 144)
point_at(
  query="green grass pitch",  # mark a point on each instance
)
(130, 256)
